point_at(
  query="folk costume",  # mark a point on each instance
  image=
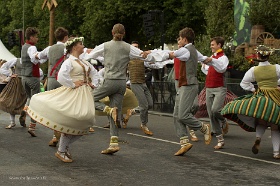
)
(257, 111)
(117, 55)
(30, 72)
(188, 90)
(216, 90)
(13, 96)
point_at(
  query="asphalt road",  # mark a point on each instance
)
(142, 160)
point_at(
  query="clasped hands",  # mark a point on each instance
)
(81, 83)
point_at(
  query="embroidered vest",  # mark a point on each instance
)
(266, 76)
(136, 70)
(214, 79)
(188, 69)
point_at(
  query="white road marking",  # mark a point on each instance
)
(230, 154)
(246, 157)
(154, 138)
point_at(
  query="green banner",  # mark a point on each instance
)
(242, 25)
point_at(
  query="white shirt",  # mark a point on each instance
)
(183, 54)
(220, 64)
(134, 53)
(6, 67)
(250, 77)
(65, 79)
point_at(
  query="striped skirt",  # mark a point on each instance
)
(13, 97)
(254, 106)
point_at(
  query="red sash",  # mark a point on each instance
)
(56, 65)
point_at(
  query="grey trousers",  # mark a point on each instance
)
(115, 90)
(183, 116)
(215, 98)
(53, 83)
(144, 99)
(195, 106)
(31, 86)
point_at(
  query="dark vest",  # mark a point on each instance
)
(28, 68)
(188, 69)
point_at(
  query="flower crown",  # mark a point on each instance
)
(76, 39)
(264, 50)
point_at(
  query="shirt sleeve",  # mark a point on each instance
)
(135, 53)
(44, 54)
(95, 77)
(247, 80)
(5, 68)
(200, 57)
(204, 69)
(96, 52)
(220, 64)
(182, 54)
(32, 52)
(64, 77)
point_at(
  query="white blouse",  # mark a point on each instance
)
(65, 79)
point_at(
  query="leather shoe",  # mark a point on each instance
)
(53, 142)
(32, 133)
(146, 130)
(111, 150)
(256, 147)
(184, 149)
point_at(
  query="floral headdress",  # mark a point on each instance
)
(76, 39)
(264, 50)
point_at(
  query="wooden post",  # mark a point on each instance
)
(51, 6)
(51, 34)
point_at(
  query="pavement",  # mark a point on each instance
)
(142, 160)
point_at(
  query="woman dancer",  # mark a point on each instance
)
(70, 108)
(260, 110)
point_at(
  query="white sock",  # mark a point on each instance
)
(275, 138)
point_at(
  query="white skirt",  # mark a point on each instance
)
(66, 110)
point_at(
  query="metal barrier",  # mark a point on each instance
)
(163, 93)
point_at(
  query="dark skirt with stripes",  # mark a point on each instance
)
(254, 106)
(13, 97)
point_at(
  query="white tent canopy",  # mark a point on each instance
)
(5, 53)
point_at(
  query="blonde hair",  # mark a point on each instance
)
(118, 32)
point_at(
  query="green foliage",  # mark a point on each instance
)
(265, 12)
(219, 18)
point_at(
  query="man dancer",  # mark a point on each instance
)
(216, 88)
(138, 86)
(30, 72)
(117, 54)
(188, 90)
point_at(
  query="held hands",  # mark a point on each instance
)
(171, 55)
(207, 60)
(145, 54)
